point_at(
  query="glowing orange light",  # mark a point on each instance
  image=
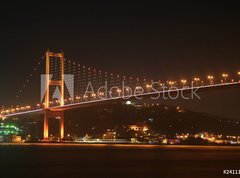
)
(184, 81)
(170, 82)
(224, 75)
(210, 77)
(196, 79)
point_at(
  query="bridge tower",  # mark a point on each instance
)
(49, 82)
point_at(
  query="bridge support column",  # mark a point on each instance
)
(45, 127)
(62, 127)
(54, 114)
(49, 82)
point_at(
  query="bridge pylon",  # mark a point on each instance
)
(48, 113)
(50, 82)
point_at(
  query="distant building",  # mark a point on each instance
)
(9, 129)
(110, 134)
(8, 133)
(139, 127)
(16, 139)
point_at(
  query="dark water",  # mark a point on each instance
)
(58, 161)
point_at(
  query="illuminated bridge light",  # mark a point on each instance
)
(225, 77)
(210, 78)
(148, 86)
(171, 83)
(196, 79)
(183, 81)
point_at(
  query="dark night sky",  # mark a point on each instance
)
(159, 41)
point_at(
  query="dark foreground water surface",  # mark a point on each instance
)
(59, 160)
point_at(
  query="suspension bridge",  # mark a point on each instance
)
(89, 86)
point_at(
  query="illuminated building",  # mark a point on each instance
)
(9, 130)
(139, 127)
(8, 133)
(110, 134)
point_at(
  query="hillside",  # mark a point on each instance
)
(163, 119)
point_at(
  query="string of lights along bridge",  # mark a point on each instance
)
(88, 85)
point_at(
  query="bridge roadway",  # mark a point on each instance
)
(121, 98)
